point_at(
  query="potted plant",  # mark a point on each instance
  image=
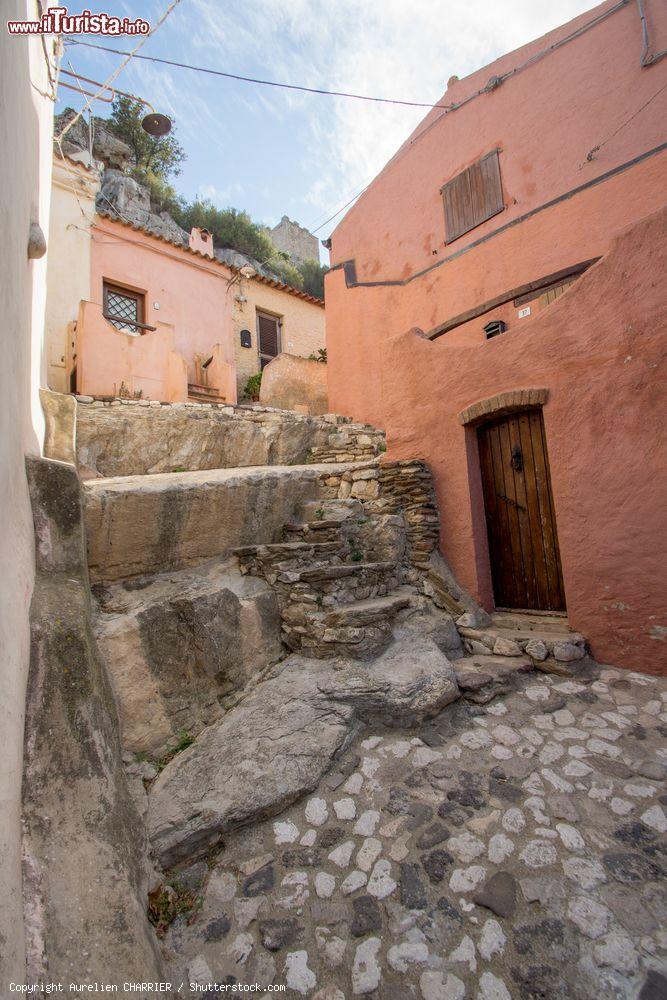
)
(252, 387)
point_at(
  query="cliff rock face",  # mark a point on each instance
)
(123, 197)
(85, 875)
(107, 147)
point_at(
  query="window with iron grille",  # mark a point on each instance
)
(472, 197)
(124, 308)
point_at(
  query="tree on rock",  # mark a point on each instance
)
(160, 156)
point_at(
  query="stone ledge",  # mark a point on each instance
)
(504, 402)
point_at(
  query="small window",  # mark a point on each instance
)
(268, 337)
(124, 308)
(472, 197)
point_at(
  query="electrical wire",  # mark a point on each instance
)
(596, 149)
(119, 69)
(263, 83)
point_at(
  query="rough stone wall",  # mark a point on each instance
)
(135, 437)
(85, 877)
(295, 240)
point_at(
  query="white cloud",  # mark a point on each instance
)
(379, 47)
(389, 48)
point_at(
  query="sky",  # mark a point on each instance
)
(275, 152)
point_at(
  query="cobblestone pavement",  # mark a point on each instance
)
(508, 850)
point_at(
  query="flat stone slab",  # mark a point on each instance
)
(149, 524)
(279, 742)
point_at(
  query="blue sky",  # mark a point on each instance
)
(277, 152)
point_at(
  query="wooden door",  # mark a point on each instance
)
(520, 518)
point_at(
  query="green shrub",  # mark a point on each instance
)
(253, 385)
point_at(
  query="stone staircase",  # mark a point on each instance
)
(339, 579)
(183, 502)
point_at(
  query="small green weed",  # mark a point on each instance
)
(167, 902)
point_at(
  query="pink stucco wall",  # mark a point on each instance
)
(596, 349)
(182, 291)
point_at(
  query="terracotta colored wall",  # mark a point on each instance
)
(544, 120)
(596, 349)
(107, 357)
(602, 356)
(191, 291)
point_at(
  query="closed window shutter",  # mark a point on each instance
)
(473, 196)
(268, 336)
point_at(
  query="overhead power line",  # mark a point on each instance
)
(264, 83)
(117, 71)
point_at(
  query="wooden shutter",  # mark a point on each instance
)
(473, 196)
(269, 339)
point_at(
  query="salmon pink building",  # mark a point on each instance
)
(135, 313)
(497, 302)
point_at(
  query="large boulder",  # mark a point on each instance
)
(178, 646)
(281, 740)
(412, 681)
(259, 758)
(140, 440)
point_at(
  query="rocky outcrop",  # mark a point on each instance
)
(85, 875)
(180, 646)
(149, 524)
(107, 147)
(282, 738)
(123, 197)
(132, 438)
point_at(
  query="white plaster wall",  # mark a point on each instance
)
(25, 181)
(72, 210)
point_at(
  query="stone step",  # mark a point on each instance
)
(368, 611)
(358, 629)
(482, 677)
(325, 573)
(538, 643)
(531, 621)
(275, 551)
(149, 524)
